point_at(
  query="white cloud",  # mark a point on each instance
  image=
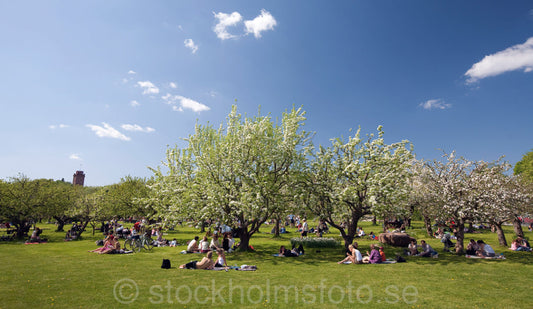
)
(173, 85)
(189, 43)
(263, 22)
(185, 103)
(134, 103)
(60, 126)
(435, 104)
(137, 128)
(75, 156)
(107, 131)
(132, 72)
(517, 57)
(148, 87)
(225, 21)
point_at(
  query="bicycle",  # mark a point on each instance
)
(136, 244)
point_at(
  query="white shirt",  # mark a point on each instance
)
(358, 256)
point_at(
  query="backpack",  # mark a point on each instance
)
(166, 264)
(400, 259)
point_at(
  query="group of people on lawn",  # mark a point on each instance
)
(354, 256)
(204, 246)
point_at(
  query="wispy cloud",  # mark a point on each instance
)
(517, 57)
(173, 85)
(107, 131)
(189, 43)
(60, 126)
(132, 72)
(435, 104)
(75, 156)
(265, 21)
(137, 128)
(148, 87)
(134, 103)
(223, 22)
(184, 103)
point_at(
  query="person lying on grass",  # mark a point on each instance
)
(206, 263)
(295, 252)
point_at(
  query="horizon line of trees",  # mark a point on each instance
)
(253, 169)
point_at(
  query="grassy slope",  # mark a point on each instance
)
(64, 274)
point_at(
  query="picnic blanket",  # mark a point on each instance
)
(498, 257)
(185, 252)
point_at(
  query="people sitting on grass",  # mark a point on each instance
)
(110, 245)
(173, 243)
(204, 245)
(446, 240)
(353, 255)
(35, 236)
(215, 244)
(472, 247)
(517, 246)
(361, 232)
(426, 250)
(193, 247)
(523, 242)
(413, 248)
(206, 262)
(485, 250)
(382, 254)
(373, 257)
(221, 259)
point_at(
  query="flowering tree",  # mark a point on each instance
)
(239, 174)
(472, 191)
(355, 178)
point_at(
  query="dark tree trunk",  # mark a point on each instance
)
(374, 220)
(60, 224)
(427, 223)
(244, 236)
(517, 224)
(276, 228)
(22, 229)
(501, 235)
(459, 245)
(202, 227)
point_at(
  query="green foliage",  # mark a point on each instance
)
(524, 167)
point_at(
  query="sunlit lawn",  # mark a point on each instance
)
(64, 274)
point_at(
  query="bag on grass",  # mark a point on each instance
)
(166, 264)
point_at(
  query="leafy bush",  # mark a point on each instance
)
(315, 242)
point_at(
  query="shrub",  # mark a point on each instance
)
(315, 242)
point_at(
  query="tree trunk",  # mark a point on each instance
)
(501, 235)
(374, 220)
(22, 229)
(202, 227)
(427, 223)
(459, 245)
(517, 224)
(244, 237)
(276, 228)
(60, 224)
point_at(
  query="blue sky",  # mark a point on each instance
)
(105, 86)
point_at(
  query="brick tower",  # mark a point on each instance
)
(79, 178)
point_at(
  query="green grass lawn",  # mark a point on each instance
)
(64, 274)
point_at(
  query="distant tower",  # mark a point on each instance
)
(79, 178)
